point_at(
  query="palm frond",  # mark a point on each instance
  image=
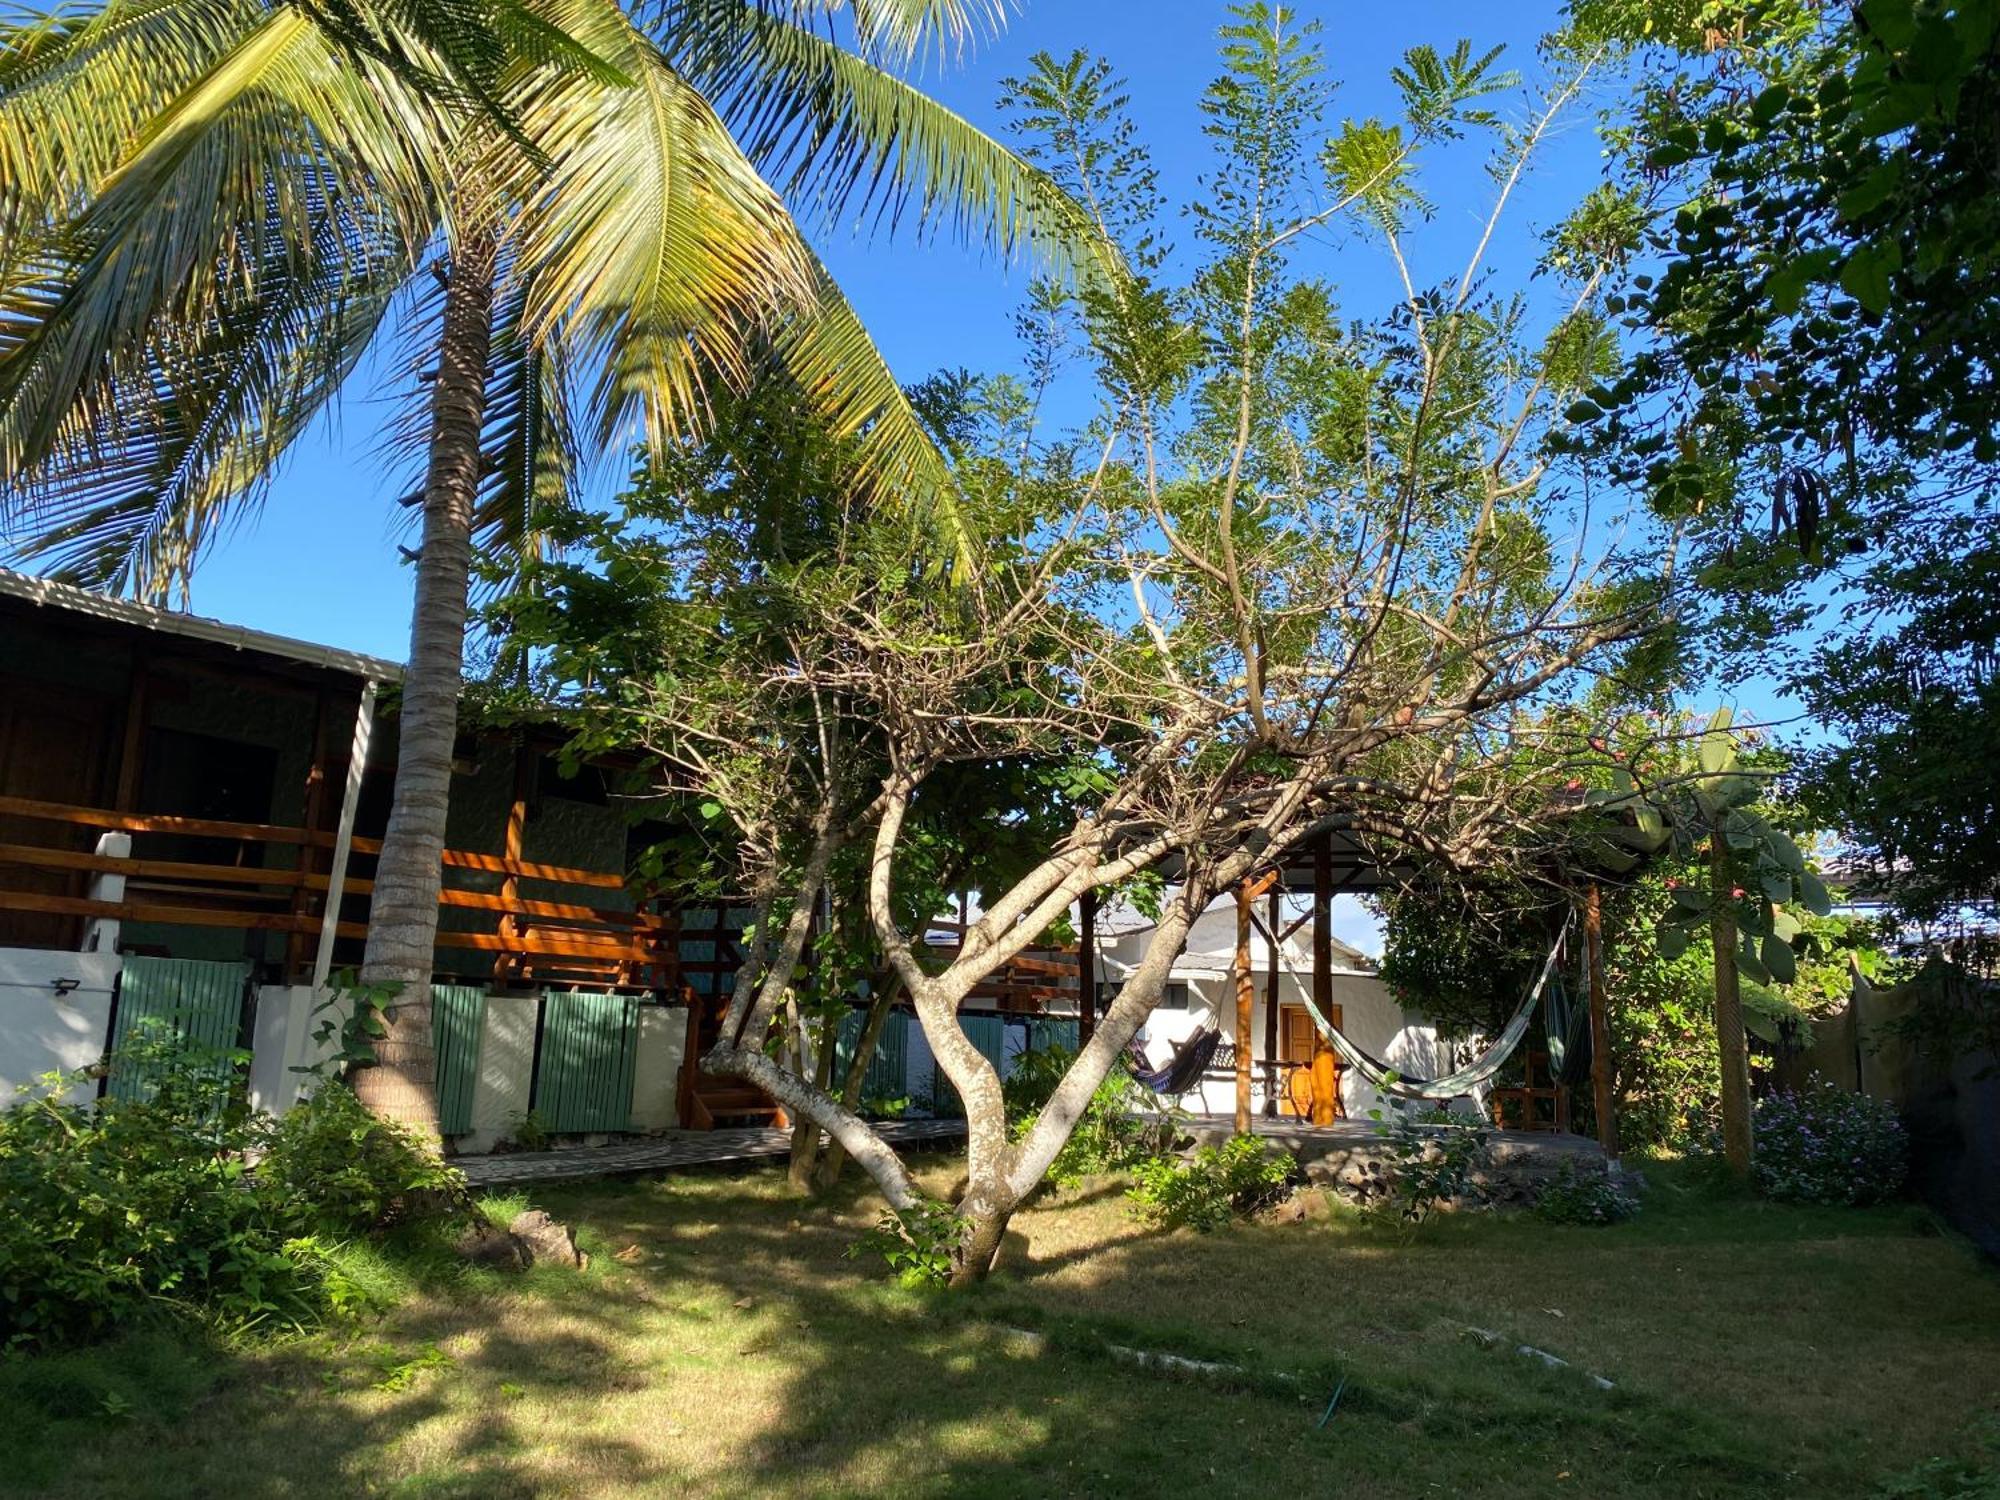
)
(826, 352)
(895, 32)
(280, 160)
(203, 418)
(531, 461)
(847, 138)
(653, 243)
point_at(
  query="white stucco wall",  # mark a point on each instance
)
(282, 1039)
(42, 1031)
(656, 1074)
(506, 1062)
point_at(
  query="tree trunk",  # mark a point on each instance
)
(403, 914)
(1733, 1050)
(883, 988)
(805, 1132)
(1601, 1093)
(987, 1215)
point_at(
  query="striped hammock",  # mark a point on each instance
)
(1388, 1080)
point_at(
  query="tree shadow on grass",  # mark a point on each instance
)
(724, 1344)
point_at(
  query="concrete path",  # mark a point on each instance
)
(672, 1151)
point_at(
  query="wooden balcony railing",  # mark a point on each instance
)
(530, 937)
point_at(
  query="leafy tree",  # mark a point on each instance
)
(215, 210)
(1300, 573)
(1812, 400)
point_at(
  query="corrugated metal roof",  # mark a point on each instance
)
(52, 595)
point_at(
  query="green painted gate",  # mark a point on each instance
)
(590, 1049)
(458, 1019)
(888, 1069)
(189, 1002)
(1045, 1035)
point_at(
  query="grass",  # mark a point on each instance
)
(724, 1344)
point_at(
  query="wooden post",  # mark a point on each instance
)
(1246, 994)
(314, 814)
(1600, 1024)
(1241, 964)
(510, 962)
(1272, 1071)
(132, 745)
(343, 834)
(1730, 1044)
(1325, 1070)
(1086, 965)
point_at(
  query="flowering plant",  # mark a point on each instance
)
(1828, 1146)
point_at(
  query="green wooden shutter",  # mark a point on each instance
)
(195, 1003)
(590, 1048)
(458, 1022)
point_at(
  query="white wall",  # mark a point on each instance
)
(281, 1039)
(42, 1031)
(506, 1065)
(656, 1077)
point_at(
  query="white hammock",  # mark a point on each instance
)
(1387, 1079)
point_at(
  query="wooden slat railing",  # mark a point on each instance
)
(571, 934)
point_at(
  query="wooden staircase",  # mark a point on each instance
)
(706, 1101)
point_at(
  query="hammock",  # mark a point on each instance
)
(1387, 1079)
(1183, 1070)
(1569, 1033)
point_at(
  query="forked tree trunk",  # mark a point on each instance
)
(986, 1228)
(403, 914)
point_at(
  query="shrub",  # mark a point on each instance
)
(1829, 1146)
(120, 1207)
(1112, 1135)
(1206, 1190)
(113, 1207)
(918, 1243)
(336, 1168)
(1432, 1158)
(1576, 1196)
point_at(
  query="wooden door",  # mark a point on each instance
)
(52, 743)
(1297, 1039)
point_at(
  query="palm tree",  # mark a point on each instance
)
(214, 208)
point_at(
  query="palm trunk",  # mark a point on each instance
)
(403, 914)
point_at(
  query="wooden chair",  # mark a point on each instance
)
(1538, 1104)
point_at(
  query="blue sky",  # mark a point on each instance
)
(320, 560)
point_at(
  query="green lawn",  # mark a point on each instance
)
(733, 1349)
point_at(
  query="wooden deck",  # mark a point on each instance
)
(672, 1152)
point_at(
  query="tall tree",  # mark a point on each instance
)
(223, 204)
(1812, 399)
(1300, 574)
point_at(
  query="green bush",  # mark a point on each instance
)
(121, 1207)
(336, 1168)
(1576, 1196)
(918, 1243)
(1205, 1191)
(1829, 1146)
(1433, 1155)
(1113, 1133)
